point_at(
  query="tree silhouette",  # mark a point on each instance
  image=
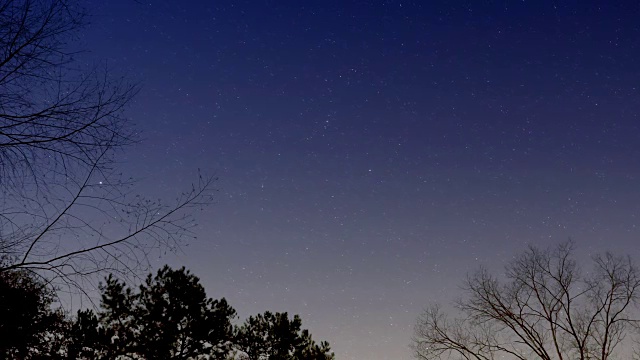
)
(29, 328)
(169, 317)
(546, 308)
(63, 206)
(274, 336)
(86, 338)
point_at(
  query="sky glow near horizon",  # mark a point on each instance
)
(370, 154)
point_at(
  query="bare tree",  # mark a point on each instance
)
(63, 206)
(545, 307)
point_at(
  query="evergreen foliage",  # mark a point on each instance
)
(169, 316)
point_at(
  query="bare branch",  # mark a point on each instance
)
(64, 209)
(546, 309)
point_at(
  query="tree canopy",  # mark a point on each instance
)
(544, 306)
(168, 316)
(275, 336)
(28, 324)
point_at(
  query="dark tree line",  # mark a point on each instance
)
(169, 316)
(27, 320)
(66, 213)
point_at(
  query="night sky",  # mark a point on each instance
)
(370, 154)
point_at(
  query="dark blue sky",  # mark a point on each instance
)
(372, 153)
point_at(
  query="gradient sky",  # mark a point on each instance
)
(370, 154)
